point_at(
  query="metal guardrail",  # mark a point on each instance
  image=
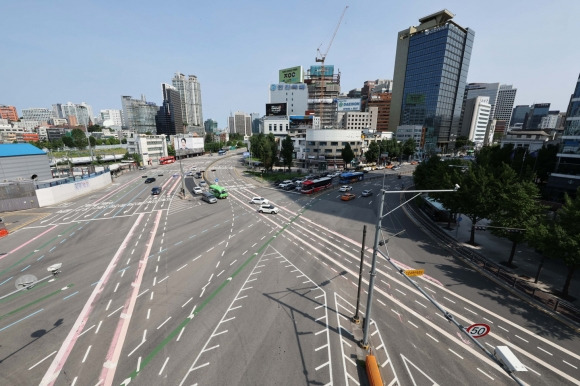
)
(548, 300)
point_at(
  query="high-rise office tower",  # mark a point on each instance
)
(139, 115)
(75, 113)
(431, 66)
(240, 123)
(190, 94)
(519, 115)
(566, 177)
(535, 115)
(210, 126)
(169, 119)
(504, 105)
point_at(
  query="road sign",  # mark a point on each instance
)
(216, 180)
(414, 272)
(478, 330)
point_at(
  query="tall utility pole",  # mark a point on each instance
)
(321, 58)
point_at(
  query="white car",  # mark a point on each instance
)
(259, 200)
(345, 188)
(268, 208)
(285, 183)
(197, 190)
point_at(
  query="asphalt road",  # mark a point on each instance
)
(163, 290)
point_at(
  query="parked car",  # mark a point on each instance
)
(141, 168)
(284, 183)
(268, 208)
(348, 197)
(345, 188)
(367, 193)
(259, 200)
(149, 180)
(208, 197)
(197, 190)
(156, 191)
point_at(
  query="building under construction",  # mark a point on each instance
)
(323, 90)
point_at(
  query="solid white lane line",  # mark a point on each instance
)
(455, 353)
(503, 328)
(184, 304)
(396, 289)
(180, 332)
(98, 327)
(43, 359)
(467, 309)
(484, 373)
(163, 367)
(569, 364)
(412, 324)
(432, 337)
(448, 299)
(87, 330)
(86, 354)
(539, 348)
(517, 336)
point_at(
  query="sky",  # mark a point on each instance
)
(95, 51)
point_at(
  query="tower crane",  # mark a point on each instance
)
(320, 58)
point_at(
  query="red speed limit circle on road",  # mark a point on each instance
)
(478, 330)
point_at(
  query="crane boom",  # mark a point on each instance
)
(323, 56)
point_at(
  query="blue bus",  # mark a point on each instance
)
(348, 177)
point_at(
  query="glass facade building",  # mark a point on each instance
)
(566, 177)
(430, 78)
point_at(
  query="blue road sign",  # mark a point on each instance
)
(216, 180)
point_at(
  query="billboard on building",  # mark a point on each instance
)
(415, 99)
(349, 104)
(296, 121)
(275, 109)
(188, 143)
(291, 75)
(317, 70)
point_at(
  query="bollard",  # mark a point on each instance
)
(373, 372)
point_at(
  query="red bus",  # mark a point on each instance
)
(313, 186)
(166, 160)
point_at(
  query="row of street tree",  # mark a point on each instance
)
(498, 188)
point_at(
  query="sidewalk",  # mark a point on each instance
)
(526, 259)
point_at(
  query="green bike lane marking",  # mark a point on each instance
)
(173, 333)
(35, 301)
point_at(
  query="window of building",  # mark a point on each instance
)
(322, 143)
(333, 143)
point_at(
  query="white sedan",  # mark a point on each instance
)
(259, 200)
(345, 188)
(197, 190)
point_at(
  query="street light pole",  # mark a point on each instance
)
(365, 342)
(182, 178)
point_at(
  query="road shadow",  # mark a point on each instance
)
(36, 335)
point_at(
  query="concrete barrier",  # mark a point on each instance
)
(373, 373)
(55, 194)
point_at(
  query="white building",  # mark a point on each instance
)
(277, 125)
(475, 119)
(112, 118)
(39, 114)
(326, 146)
(530, 140)
(416, 132)
(150, 147)
(294, 95)
(357, 120)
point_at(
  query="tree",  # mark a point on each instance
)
(92, 141)
(257, 143)
(372, 154)
(79, 139)
(476, 196)
(409, 147)
(347, 155)
(392, 147)
(517, 206)
(240, 144)
(287, 151)
(567, 231)
(270, 154)
(68, 141)
(208, 138)
(170, 150)
(93, 128)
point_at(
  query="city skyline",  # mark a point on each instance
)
(236, 50)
